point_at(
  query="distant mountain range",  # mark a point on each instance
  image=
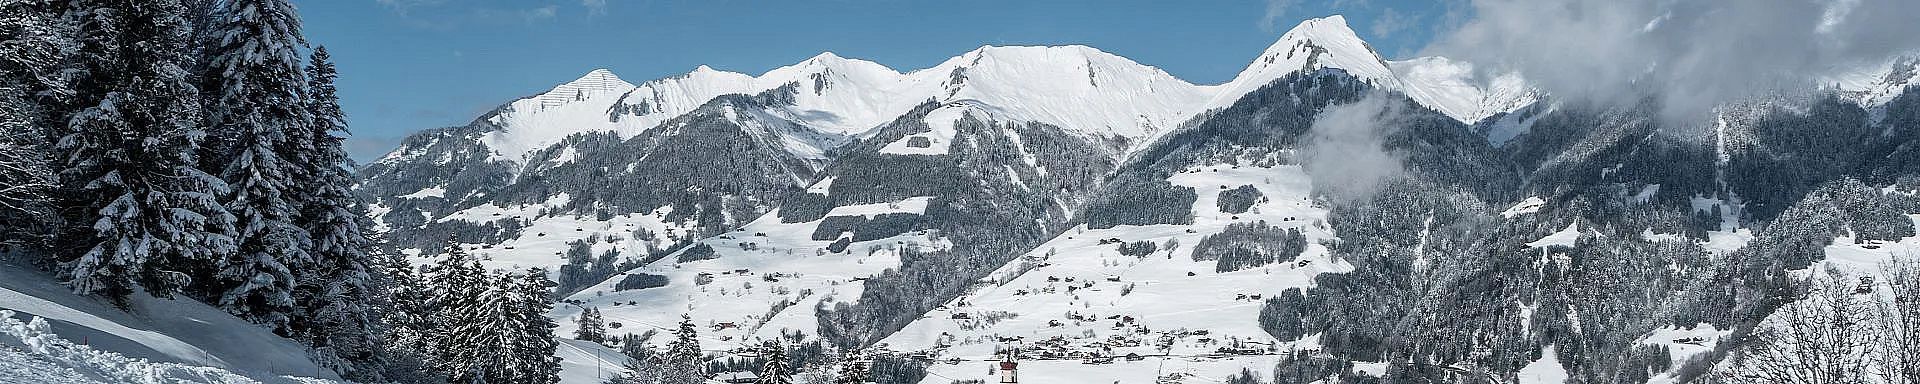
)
(1326, 213)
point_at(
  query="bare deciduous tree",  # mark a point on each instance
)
(1823, 337)
(1897, 310)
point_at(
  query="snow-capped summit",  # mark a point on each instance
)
(1874, 86)
(838, 94)
(534, 122)
(1076, 87)
(1081, 89)
(1454, 89)
(595, 83)
(1448, 86)
(1325, 42)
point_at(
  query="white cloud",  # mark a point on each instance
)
(1690, 55)
(403, 6)
(441, 14)
(1391, 21)
(1345, 152)
(595, 7)
(1275, 9)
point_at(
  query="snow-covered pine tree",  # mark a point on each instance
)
(853, 369)
(256, 109)
(684, 363)
(642, 370)
(32, 45)
(776, 371)
(127, 157)
(534, 342)
(479, 346)
(591, 326)
(408, 323)
(454, 283)
(337, 293)
(252, 76)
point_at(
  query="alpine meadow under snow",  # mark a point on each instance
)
(177, 206)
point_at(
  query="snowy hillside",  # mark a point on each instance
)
(47, 329)
(751, 284)
(1077, 296)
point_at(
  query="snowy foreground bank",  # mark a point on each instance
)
(31, 353)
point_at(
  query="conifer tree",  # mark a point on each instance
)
(854, 369)
(776, 370)
(642, 370)
(479, 345)
(407, 322)
(591, 326)
(454, 283)
(338, 291)
(127, 156)
(257, 110)
(684, 363)
(534, 342)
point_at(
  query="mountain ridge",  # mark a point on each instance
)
(1025, 83)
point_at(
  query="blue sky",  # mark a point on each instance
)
(408, 65)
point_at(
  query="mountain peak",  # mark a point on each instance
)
(1335, 24)
(597, 82)
(833, 62)
(1325, 42)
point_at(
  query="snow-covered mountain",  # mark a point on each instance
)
(1449, 86)
(1076, 87)
(929, 160)
(1074, 204)
(821, 102)
(1055, 85)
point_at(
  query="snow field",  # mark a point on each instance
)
(781, 264)
(1087, 299)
